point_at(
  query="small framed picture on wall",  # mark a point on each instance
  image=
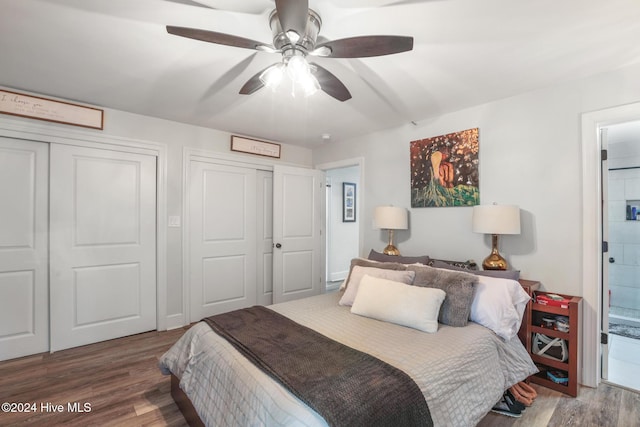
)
(348, 202)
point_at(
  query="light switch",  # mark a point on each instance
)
(174, 221)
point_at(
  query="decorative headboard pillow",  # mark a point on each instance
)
(358, 272)
(502, 274)
(499, 305)
(459, 289)
(363, 262)
(464, 265)
(399, 303)
(377, 256)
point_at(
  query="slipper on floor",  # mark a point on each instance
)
(507, 406)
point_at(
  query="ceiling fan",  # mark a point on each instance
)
(295, 30)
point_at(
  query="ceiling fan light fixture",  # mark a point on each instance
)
(293, 36)
(272, 76)
(297, 68)
(309, 84)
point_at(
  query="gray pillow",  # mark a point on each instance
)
(501, 274)
(464, 265)
(362, 262)
(377, 256)
(458, 286)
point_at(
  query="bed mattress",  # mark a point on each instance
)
(462, 372)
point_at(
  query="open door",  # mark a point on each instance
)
(604, 332)
(298, 223)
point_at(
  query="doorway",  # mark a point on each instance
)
(622, 262)
(343, 237)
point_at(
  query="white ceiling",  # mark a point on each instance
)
(117, 54)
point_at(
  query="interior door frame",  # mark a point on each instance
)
(592, 122)
(52, 133)
(604, 284)
(197, 154)
(360, 200)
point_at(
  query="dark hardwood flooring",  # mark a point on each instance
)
(121, 382)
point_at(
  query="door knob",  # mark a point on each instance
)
(278, 245)
(612, 260)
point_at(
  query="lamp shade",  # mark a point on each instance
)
(496, 219)
(390, 218)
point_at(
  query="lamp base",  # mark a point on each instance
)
(494, 261)
(391, 250)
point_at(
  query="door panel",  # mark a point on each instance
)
(103, 245)
(222, 236)
(264, 219)
(298, 222)
(24, 309)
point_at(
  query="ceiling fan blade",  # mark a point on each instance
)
(330, 84)
(218, 38)
(365, 46)
(253, 84)
(293, 15)
(252, 7)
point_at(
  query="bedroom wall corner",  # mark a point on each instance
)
(530, 155)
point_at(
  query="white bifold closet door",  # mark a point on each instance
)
(24, 304)
(102, 244)
(222, 235)
(254, 236)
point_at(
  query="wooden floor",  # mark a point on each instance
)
(121, 382)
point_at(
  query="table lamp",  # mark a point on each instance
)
(390, 218)
(495, 220)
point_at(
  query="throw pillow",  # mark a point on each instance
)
(377, 256)
(458, 287)
(399, 303)
(358, 272)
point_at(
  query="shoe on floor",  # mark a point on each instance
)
(506, 407)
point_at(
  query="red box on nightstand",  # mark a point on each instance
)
(554, 300)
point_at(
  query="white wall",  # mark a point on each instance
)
(176, 136)
(624, 241)
(344, 237)
(530, 155)
(624, 235)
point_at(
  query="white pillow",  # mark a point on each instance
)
(499, 304)
(358, 272)
(399, 303)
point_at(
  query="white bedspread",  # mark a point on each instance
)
(461, 371)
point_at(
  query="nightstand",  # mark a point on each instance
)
(524, 333)
(568, 368)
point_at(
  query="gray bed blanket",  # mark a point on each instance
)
(345, 386)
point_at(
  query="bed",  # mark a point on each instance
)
(461, 371)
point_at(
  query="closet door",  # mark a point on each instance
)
(264, 223)
(222, 238)
(103, 245)
(24, 305)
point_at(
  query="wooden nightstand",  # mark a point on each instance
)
(571, 337)
(525, 332)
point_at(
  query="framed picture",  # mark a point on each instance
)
(348, 202)
(50, 110)
(254, 146)
(444, 170)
